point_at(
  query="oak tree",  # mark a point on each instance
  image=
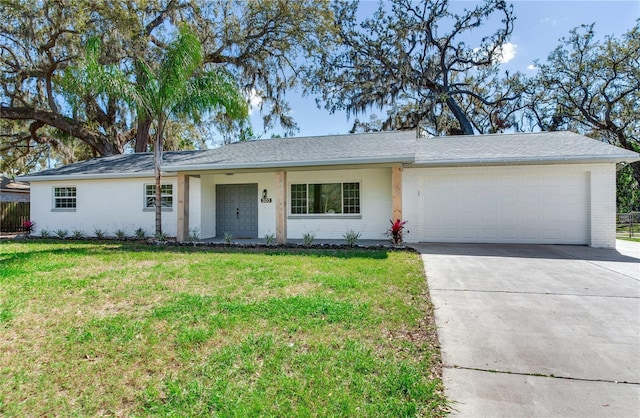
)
(260, 43)
(422, 61)
(591, 86)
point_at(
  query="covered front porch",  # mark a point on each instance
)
(210, 204)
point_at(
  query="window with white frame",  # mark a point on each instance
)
(325, 198)
(64, 197)
(166, 198)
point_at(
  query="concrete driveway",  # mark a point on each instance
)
(538, 330)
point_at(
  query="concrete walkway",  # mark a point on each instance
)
(538, 330)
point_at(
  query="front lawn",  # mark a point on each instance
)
(90, 328)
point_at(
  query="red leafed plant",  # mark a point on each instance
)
(27, 226)
(395, 232)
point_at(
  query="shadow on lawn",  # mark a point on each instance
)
(98, 247)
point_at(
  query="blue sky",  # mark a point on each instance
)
(538, 27)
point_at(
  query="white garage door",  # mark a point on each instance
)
(505, 205)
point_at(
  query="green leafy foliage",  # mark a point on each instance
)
(194, 234)
(351, 237)
(161, 236)
(308, 237)
(592, 86)
(413, 58)
(628, 191)
(50, 109)
(269, 239)
(177, 89)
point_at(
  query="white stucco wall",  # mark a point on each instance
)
(602, 180)
(108, 205)
(566, 204)
(195, 204)
(118, 203)
(375, 203)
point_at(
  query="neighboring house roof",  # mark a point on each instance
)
(368, 148)
(9, 185)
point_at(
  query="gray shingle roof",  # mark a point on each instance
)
(11, 185)
(319, 150)
(512, 148)
(382, 147)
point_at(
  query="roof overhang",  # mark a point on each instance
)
(97, 176)
(8, 190)
(596, 159)
(407, 160)
(171, 170)
(275, 165)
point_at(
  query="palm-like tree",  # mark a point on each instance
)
(179, 88)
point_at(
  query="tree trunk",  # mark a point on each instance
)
(142, 134)
(98, 142)
(157, 167)
(461, 117)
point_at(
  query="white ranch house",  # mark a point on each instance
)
(551, 188)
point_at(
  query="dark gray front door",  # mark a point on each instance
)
(237, 210)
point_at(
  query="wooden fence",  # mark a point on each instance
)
(12, 214)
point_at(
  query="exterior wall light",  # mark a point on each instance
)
(265, 199)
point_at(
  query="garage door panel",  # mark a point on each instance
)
(450, 233)
(509, 234)
(529, 234)
(528, 205)
(510, 217)
(490, 233)
(488, 217)
(468, 200)
(551, 234)
(469, 233)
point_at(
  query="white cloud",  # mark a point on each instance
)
(532, 67)
(549, 21)
(255, 101)
(508, 52)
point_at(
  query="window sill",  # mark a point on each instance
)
(327, 216)
(63, 210)
(154, 209)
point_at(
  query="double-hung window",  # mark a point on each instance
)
(166, 198)
(325, 198)
(64, 198)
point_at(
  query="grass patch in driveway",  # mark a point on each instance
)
(126, 329)
(637, 239)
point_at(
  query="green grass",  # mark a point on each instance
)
(624, 231)
(127, 329)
